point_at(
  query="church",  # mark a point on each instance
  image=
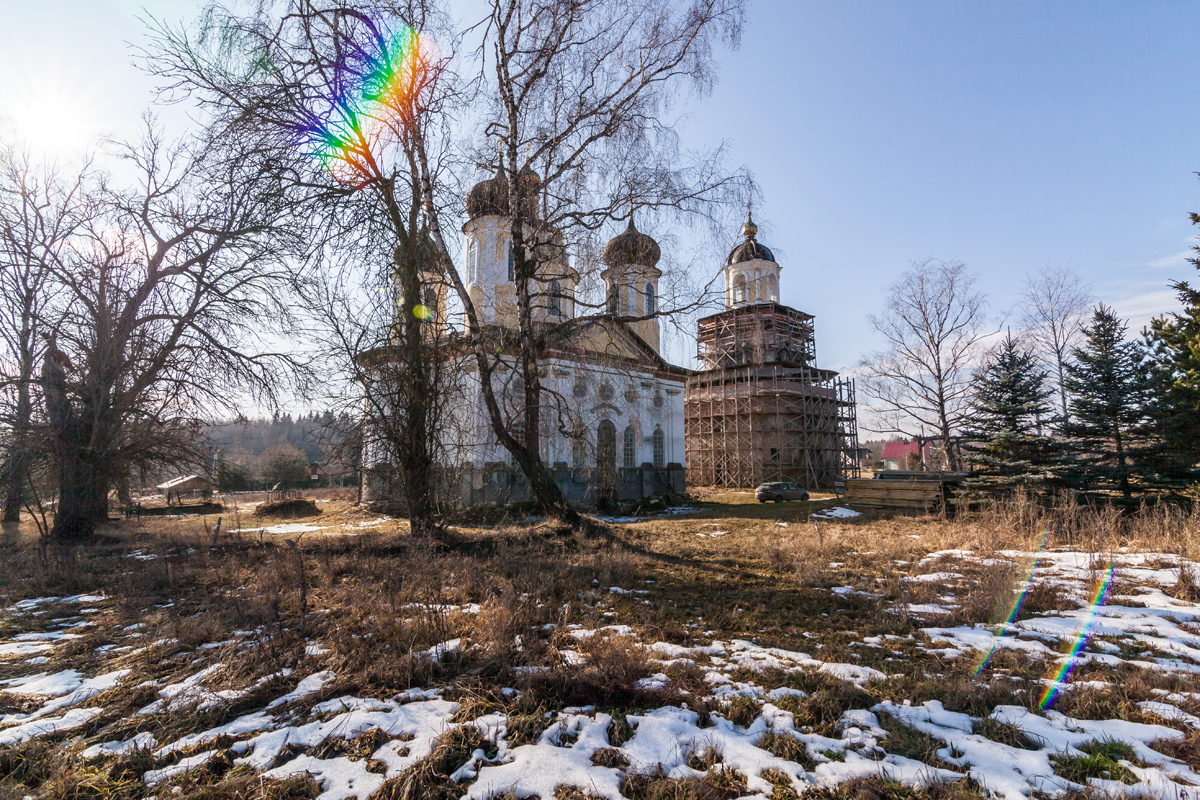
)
(612, 417)
(619, 422)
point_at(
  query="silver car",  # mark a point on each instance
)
(778, 492)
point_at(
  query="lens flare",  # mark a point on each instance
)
(1081, 641)
(376, 99)
(1016, 609)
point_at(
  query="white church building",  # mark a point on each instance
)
(613, 409)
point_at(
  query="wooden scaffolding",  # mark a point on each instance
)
(760, 410)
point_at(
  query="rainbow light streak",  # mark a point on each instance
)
(1081, 641)
(373, 108)
(1016, 609)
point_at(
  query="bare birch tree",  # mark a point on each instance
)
(350, 100)
(1055, 304)
(934, 322)
(579, 91)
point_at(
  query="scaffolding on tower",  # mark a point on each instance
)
(760, 410)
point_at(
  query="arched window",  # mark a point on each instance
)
(660, 447)
(473, 262)
(606, 449)
(650, 301)
(774, 284)
(629, 451)
(556, 298)
(431, 302)
(512, 265)
(739, 288)
(578, 452)
(613, 298)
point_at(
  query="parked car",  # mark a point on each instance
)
(778, 492)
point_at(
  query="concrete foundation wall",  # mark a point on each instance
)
(501, 483)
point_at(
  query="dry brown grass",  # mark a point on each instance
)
(377, 600)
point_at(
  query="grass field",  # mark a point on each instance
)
(730, 649)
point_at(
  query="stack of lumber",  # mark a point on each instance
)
(918, 491)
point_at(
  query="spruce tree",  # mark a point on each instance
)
(1010, 403)
(1109, 384)
(1174, 342)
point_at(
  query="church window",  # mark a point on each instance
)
(578, 452)
(650, 301)
(631, 395)
(629, 453)
(739, 288)
(512, 265)
(606, 392)
(473, 261)
(580, 390)
(612, 299)
(431, 302)
(556, 298)
(774, 284)
(660, 447)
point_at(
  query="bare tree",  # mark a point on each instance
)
(1056, 303)
(934, 322)
(350, 101)
(164, 294)
(41, 208)
(579, 90)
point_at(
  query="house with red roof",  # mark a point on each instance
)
(902, 455)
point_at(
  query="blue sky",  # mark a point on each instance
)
(1007, 135)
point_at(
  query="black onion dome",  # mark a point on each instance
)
(489, 196)
(631, 246)
(750, 250)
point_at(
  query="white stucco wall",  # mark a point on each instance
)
(478, 444)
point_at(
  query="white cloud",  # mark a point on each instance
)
(1139, 309)
(1177, 260)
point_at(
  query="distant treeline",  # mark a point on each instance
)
(253, 453)
(311, 433)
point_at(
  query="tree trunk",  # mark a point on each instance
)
(18, 461)
(74, 512)
(18, 464)
(416, 463)
(1062, 392)
(1122, 470)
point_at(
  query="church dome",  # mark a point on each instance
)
(631, 246)
(749, 250)
(490, 196)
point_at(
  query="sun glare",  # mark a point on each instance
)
(49, 114)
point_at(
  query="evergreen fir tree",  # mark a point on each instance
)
(1109, 384)
(1010, 403)
(1174, 342)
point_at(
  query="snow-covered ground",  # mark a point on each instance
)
(1140, 627)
